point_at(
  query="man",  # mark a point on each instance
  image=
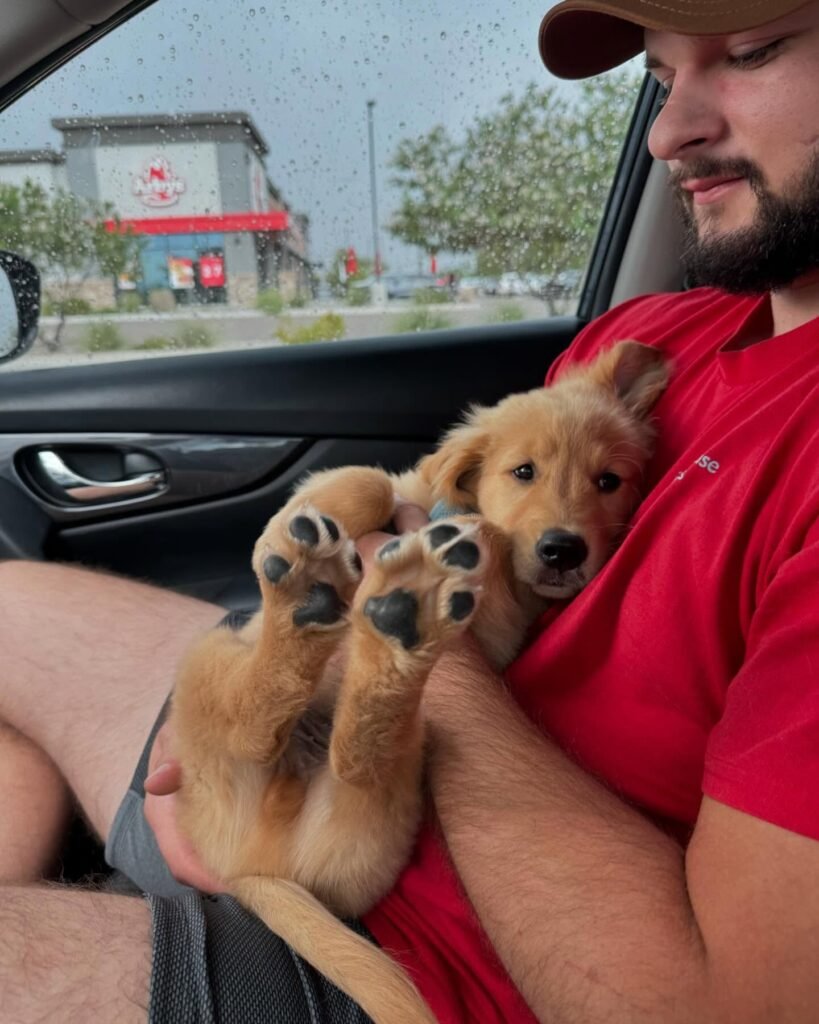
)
(683, 886)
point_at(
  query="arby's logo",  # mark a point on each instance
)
(158, 185)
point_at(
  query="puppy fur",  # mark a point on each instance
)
(303, 772)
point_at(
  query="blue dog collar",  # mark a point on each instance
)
(440, 510)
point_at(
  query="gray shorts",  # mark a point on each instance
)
(213, 962)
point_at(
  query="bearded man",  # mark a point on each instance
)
(632, 820)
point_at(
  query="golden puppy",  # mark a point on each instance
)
(302, 790)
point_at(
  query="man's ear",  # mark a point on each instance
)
(453, 471)
(638, 374)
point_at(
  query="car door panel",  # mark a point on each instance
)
(233, 432)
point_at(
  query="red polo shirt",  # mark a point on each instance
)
(690, 665)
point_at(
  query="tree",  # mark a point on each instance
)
(524, 189)
(67, 239)
(430, 202)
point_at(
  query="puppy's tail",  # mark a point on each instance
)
(351, 963)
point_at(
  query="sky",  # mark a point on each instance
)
(304, 70)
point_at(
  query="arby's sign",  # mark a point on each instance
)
(158, 185)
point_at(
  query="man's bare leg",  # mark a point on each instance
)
(73, 956)
(36, 809)
(88, 660)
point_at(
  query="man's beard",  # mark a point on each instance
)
(780, 245)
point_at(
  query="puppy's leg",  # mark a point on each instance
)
(360, 498)
(421, 593)
(252, 686)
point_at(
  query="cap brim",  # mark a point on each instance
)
(579, 44)
(580, 38)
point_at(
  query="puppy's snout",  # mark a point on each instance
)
(561, 550)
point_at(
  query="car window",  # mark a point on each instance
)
(225, 173)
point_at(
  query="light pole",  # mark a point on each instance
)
(373, 197)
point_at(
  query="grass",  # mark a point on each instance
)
(194, 336)
(66, 307)
(103, 337)
(329, 327)
(421, 319)
(358, 296)
(431, 297)
(156, 343)
(507, 313)
(189, 336)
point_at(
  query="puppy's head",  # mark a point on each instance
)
(558, 469)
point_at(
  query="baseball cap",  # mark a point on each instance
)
(579, 38)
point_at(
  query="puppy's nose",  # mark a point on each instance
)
(561, 550)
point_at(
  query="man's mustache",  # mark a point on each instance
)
(706, 167)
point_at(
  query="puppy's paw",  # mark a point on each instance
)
(305, 562)
(424, 587)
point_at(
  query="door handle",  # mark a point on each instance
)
(80, 488)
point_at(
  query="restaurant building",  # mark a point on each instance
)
(194, 187)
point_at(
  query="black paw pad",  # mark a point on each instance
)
(461, 604)
(276, 568)
(395, 615)
(323, 607)
(439, 535)
(464, 555)
(305, 530)
(332, 529)
(389, 547)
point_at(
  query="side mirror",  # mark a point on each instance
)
(19, 305)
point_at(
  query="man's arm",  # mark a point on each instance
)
(598, 915)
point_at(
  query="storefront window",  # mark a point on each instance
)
(298, 173)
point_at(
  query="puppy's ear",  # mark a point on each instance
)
(453, 471)
(637, 373)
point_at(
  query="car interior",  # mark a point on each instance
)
(167, 469)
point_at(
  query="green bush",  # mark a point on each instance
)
(299, 301)
(71, 306)
(194, 336)
(103, 337)
(507, 313)
(358, 296)
(421, 319)
(329, 327)
(156, 343)
(129, 302)
(270, 301)
(161, 300)
(431, 296)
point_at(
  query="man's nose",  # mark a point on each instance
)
(561, 550)
(691, 120)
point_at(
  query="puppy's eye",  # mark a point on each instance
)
(524, 472)
(608, 482)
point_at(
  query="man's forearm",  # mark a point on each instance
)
(583, 899)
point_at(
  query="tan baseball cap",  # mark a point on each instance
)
(579, 38)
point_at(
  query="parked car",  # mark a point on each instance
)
(512, 284)
(406, 286)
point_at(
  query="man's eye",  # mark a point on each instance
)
(524, 472)
(755, 57)
(608, 482)
(665, 94)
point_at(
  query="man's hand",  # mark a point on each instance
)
(407, 518)
(161, 785)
